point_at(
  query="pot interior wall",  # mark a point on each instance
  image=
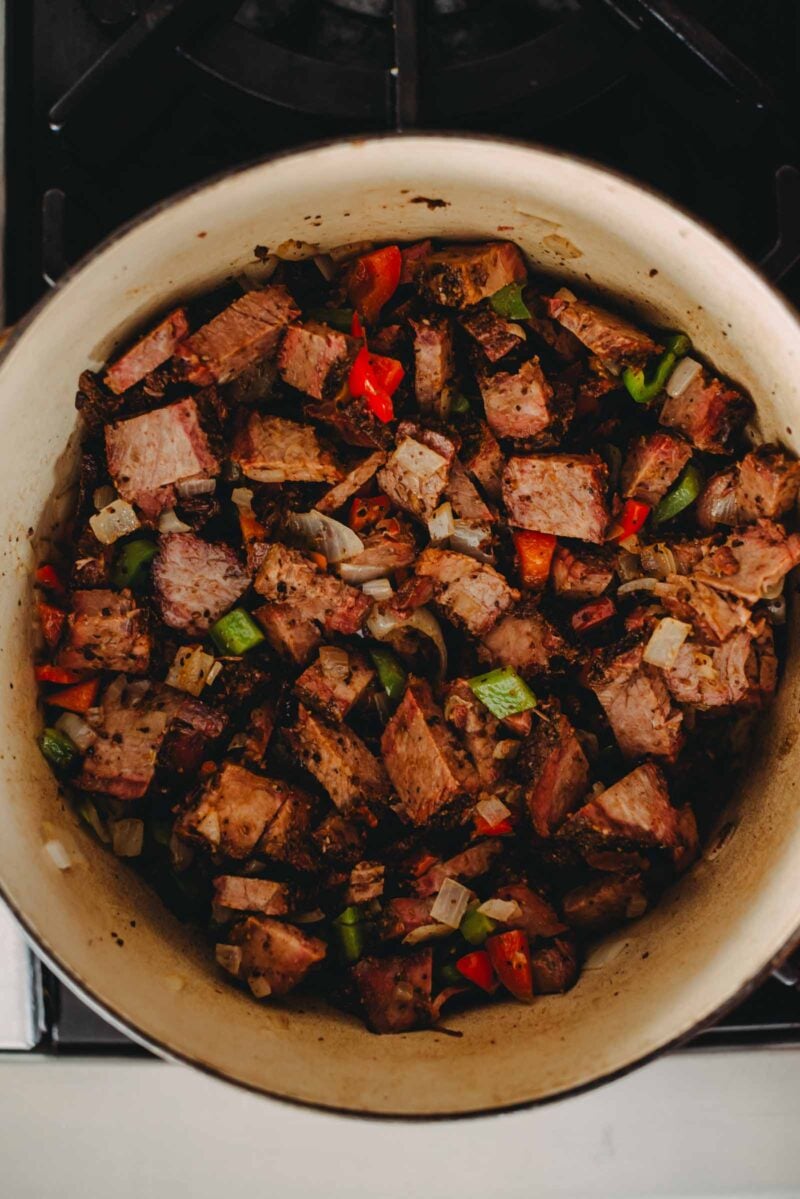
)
(713, 932)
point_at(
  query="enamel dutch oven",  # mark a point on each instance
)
(715, 935)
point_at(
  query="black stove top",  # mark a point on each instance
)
(115, 104)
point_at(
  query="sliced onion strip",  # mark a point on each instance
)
(503, 910)
(492, 810)
(336, 541)
(378, 589)
(116, 520)
(646, 584)
(440, 525)
(684, 374)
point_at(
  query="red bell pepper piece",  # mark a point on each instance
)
(477, 967)
(52, 621)
(365, 512)
(633, 518)
(592, 614)
(374, 280)
(48, 577)
(56, 674)
(510, 955)
(503, 828)
(388, 372)
(356, 328)
(79, 698)
(534, 554)
(365, 380)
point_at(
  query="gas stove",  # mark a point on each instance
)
(113, 105)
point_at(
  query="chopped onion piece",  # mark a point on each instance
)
(127, 838)
(658, 560)
(414, 458)
(428, 932)
(243, 498)
(564, 293)
(378, 589)
(451, 903)
(259, 986)
(114, 521)
(271, 475)
(327, 536)
(103, 496)
(684, 374)
(440, 525)
(383, 626)
(229, 957)
(351, 249)
(195, 486)
(57, 852)
(355, 573)
(190, 669)
(77, 730)
(665, 642)
(628, 566)
(335, 661)
(324, 264)
(170, 522)
(504, 910)
(213, 673)
(472, 538)
(646, 584)
(506, 749)
(492, 810)
(92, 817)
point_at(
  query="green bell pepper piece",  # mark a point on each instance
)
(684, 493)
(643, 390)
(476, 927)
(349, 929)
(459, 405)
(503, 692)
(130, 568)
(337, 318)
(391, 672)
(508, 302)
(449, 976)
(236, 632)
(58, 749)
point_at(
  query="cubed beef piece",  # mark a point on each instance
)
(615, 341)
(271, 956)
(558, 339)
(688, 552)
(427, 766)
(712, 614)
(581, 573)
(637, 703)
(524, 640)
(460, 276)
(519, 404)
(652, 464)
(251, 895)
(472, 862)
(246, 331)
(252, 742)
(495, 335)
(353, 481)
(316, 359)
(270, 449)
(752, 562)
(764, 484)
(339, 840)
(486, 463)
(412, 594)
(389, 547)
(122, 761)
(473, 595)
(478, 728)
(186, 745)
(291, 635)
(554, 967)
(402, 916)
(395, 992)
(605, 902)
(444, 443)
(537, 918)
(740, 672)
(195, 581)
(287, 835)
(366, 882)
(555, 771)
(563, 494)
(333, 689)
(340, 761)
(148, 352)
(634, 811)
(413, 257)
(708, 412)
(415, 477)
(147, 454)
(434, 362)
(106, 631)
(232, 810)
(465, 498)
(288, 576)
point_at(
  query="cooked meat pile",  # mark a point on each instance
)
(413, 619)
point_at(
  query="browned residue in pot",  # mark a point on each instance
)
(432, 203)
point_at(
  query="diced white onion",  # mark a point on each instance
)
(326, 536)
(473, 539)
(58, 854)
(427, 932)
(646, 584)
(186, 488)
(564, 293)
(269, 474)
(92, 817)
(127, 838)
(492, 810)
(451, 903)
(685, 373)
(358, 573)
(170, 522)
(658, 560)
(351, 249)
(335, 661)
(378, 589)
(440, 525)
(229, 957)
(665, 642)
(77, 730)
(383, 626)
(243, 498)
(503, 910)
(103, 496)
(324, 264)
(213, 673)
(628, 566)
(190, 669)
(114, 521)
(259, 986)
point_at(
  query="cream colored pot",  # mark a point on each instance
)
(714, 935)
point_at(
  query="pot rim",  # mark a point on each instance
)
(38, 941)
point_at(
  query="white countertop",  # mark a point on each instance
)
(689, 1125)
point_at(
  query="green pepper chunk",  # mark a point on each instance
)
(459, 405)
(508, 302)
(130, 569)
(337, 318)
(684, 493)
(58, 749)
(391, 672)
(349, 929)
(643, 390)
(503, 692)
(450, 976)
(236, 632)
(476, 927)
